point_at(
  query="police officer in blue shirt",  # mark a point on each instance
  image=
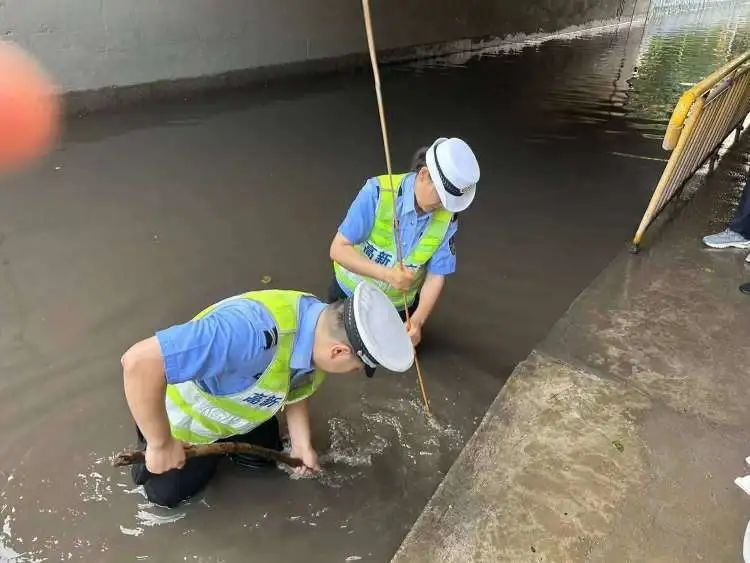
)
(227, 373)
(442, 183)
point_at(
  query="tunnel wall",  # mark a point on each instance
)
(92, 45)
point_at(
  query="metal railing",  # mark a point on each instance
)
(703, 118)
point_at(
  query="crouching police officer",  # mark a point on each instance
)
(442, 183)
(229, 371)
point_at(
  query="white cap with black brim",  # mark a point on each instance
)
(376, 332)
(454, 171)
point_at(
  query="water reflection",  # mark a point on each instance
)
(679, 50)
(674, 46)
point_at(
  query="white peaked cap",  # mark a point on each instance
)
(375, 330)
(455, 172)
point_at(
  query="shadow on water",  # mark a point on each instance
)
(143, 217)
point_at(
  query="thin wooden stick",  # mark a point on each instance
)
(387, 148)
(217, 448)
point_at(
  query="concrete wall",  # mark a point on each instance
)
(92, 44)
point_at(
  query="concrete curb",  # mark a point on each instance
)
(620, 436)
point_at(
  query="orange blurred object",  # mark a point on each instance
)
(29, 109)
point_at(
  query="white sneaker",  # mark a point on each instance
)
(726, 239)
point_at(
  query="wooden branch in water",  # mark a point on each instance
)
(217, 448)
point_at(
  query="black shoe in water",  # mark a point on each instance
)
(745, 288)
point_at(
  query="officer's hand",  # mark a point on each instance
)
(415, 332)
(400, 278)
(310, 459)
(160, 459)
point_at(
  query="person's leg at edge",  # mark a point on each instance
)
(741, 222)
(737, 233)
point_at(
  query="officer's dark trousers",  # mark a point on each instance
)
(741, 222)
(172, 487)
(335, 293)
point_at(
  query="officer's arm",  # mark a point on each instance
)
(354, 229)
(428, 297)
(343, 252)
(145, 387)
(298, 422)
(442, 264)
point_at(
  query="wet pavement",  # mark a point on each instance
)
(143, 217)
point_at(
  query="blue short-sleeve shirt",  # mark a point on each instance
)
(360, 219)
(228, 350)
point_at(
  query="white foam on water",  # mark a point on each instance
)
(317, 513)
(78, 542)
(131, 531)
(150, 519)
(353, 446)
(344, 448)
(337, 479)
(352, 460)
(432, 441)
(353, 558)
(94, 487)
(388, 420)
(7, 553)
(344, 452)
(452, 435)
(139, 490)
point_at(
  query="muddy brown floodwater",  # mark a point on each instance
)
(143, 217)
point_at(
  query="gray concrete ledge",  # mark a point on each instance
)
(620, 436)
